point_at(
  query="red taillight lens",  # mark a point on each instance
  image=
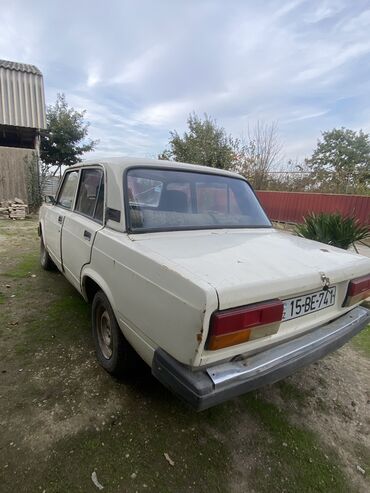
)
(230, 327)
(358, 290)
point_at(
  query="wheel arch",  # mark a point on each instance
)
(91, 282)
(40, 230)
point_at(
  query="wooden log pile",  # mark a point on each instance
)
(13, 209)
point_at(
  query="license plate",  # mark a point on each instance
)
(308, 303)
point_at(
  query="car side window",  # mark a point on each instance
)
(68, 190)
(90, 197)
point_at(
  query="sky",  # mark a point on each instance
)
(140, 67)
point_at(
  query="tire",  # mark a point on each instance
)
(45, 259)
(113, 352)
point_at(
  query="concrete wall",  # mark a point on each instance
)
(13, 173)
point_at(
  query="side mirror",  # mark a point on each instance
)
(49, 199)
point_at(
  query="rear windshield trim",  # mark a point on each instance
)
(184, 228)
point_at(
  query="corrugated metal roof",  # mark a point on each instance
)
(21, 67)
(22, 100)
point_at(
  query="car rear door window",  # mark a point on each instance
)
(90, 197)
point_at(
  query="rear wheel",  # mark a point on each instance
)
(114, 353)
(45, 259)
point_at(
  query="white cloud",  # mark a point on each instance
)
(299, 116)
(140, 68)
(334, 57)
(323, 10)
(93, 76)
(166, 113)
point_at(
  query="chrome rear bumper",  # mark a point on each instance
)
(210, 386)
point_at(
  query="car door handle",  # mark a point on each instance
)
(87, 235)
(60, 219)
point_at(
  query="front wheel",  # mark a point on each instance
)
(114, 353)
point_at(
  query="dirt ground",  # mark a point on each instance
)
(64, 421)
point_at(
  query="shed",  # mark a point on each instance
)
(22, 117)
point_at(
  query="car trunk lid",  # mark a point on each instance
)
(254, 265)
(247, 266)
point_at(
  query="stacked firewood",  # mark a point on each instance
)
(13, 209)
(4, 211)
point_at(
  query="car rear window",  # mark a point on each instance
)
(165, 200)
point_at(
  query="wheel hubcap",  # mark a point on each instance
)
(104, 333)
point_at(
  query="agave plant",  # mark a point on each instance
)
(332, 229)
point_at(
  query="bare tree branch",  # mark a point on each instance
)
(260, 153)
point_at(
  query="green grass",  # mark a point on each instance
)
(289, 391)
(293, 459)
(132, 440)
(25, 267)
(65, 320)
(362, 341)
(6, 231)
(126, 459)
(197, 464)
(363, 455)
(123, 427)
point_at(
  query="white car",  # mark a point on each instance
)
(181, 263)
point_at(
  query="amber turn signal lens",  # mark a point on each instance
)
(221, 341)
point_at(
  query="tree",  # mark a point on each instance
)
(294, 178)
(204, 143)
(259, 153)
(341, 162)
(34, 180)
(65, 140)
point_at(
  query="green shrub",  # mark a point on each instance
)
(332, 229)
(33, 182)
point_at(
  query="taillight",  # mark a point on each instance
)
(358, 290)
(237, 325)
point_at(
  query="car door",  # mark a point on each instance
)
(55, 215)
(81, 226)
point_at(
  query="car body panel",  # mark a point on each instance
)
(163, 305)
(52, 228)
(77, 238)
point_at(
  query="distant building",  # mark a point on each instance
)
(22, 117)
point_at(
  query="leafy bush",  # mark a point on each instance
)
(332, 229)
(33, 182)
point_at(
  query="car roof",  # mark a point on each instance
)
(121, 163)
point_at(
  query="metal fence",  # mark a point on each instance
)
(294, 206)
(51, 185)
